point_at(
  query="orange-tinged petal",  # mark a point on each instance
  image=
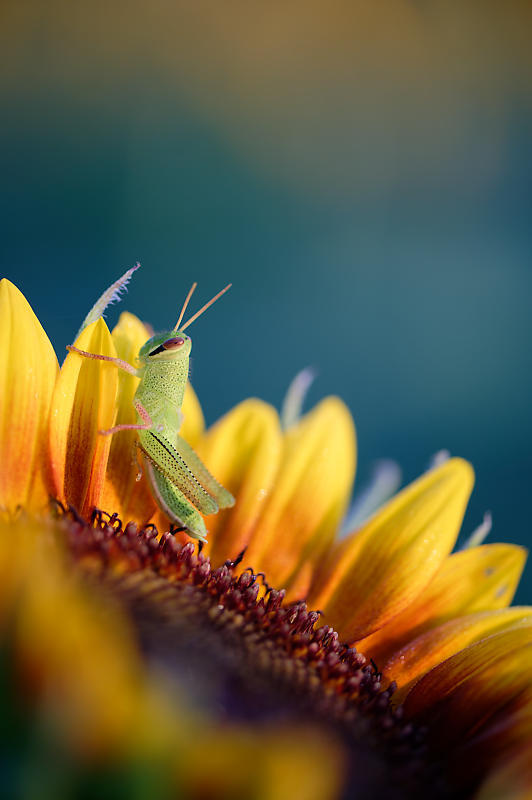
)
(84, 402)
(193, 423)
(478, 579)
(414, 660)
(378, 571)
(243, 451)
(28, 371)
(311, 492)
(476, 681)
(122, 493)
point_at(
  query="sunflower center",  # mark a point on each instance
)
(238, 651)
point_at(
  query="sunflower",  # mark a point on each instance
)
(280, 659)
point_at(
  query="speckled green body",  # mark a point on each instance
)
(161, 391)
(180, 482)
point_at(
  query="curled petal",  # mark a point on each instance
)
(459, 692)
(84, 402)
(414, 660)
(310, 496)
(243, 451)
(479, 579)
(28, 371)
(374, 574)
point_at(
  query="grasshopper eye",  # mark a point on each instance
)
(170, 344)
(173, 343)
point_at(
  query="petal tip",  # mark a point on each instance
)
(459, 469)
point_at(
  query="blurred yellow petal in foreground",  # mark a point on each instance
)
(75, 653)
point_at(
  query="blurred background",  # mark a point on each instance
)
(361, 172)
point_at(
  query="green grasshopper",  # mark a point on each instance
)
(181, 484)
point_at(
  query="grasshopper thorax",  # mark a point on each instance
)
(167, 346)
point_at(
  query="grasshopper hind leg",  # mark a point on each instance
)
(174, 503)
(223, 498)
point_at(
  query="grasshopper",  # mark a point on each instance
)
(181, 484)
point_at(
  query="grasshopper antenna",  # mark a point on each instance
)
(206, 306)
(185, 304)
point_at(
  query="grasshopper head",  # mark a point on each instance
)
(174, 345)
(168, 346)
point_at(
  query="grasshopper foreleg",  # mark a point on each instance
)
(119, 362)
(145, 426)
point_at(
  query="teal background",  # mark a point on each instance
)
(373, 225)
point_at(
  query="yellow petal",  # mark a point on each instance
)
(477, 680)
(84, 402)
(378, 571)
(131, 499)
(28, 371)
(414, 660)
(478, 579)
(243, 451)
(310, 496)
(193, 423)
